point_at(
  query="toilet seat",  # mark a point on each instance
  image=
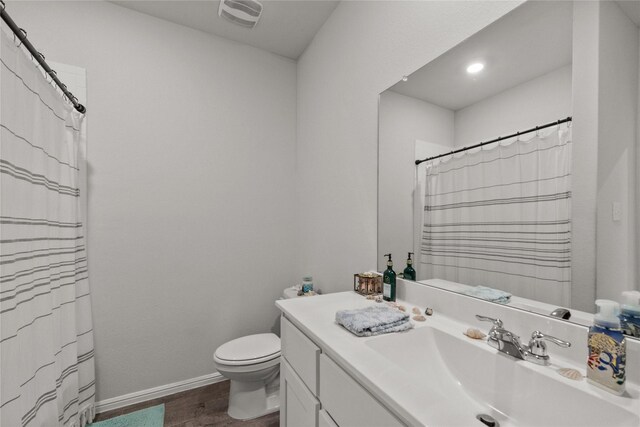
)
(248, 350)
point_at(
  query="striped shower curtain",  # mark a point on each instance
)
(501, 218)
(46, 340)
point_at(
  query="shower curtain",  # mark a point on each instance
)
(46, 340)
(501, 218)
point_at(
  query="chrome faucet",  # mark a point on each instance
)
(509, 343)
(561, 313)
(538, 349)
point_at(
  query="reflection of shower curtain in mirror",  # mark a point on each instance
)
(501, 218)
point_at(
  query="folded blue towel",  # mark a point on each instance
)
(489, 294)
(376, 320)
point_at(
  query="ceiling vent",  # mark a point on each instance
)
(241, 12)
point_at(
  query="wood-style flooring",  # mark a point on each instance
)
(204, 406)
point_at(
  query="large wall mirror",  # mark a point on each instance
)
(543, 220)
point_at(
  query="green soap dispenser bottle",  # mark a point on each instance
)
(389, 282)
(409, 273)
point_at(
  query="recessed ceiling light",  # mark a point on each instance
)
(475, 68)
(405, 78)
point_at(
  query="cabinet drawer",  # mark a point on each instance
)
(348, 402)
(325, 420)
(298, 407)
(301, 353)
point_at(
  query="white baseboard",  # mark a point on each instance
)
(156, 392)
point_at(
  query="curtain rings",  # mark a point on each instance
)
(24, 36)
(51, 75)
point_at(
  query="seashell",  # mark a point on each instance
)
(572, 374)
(428, 311)
(474, 333)
(419, 318)
(401, 308)
(378, 298)
(415, 310)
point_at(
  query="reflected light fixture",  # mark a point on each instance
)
(475, 68)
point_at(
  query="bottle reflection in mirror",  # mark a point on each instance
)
(409, 273)
(630, 313)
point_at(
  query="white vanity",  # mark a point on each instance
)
(433, 374)
(315, 389)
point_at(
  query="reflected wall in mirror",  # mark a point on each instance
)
(539, 221)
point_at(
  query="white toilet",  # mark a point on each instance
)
(252, 363)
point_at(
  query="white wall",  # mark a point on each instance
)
(192, 216)
(538, 101)
(363, 48)
(403, 121)
(617, 104)
(585, 159)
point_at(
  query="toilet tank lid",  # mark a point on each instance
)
(251, 347)
(289, 293)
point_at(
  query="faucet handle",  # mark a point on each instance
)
(497, 323)
(539, 348)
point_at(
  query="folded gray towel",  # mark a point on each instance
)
(376, 320)
(489, 294)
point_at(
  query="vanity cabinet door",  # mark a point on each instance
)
(298, 407)
(348, 402)
(301, 353)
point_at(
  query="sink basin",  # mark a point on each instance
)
(463, 378)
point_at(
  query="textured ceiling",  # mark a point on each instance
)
(286, 27)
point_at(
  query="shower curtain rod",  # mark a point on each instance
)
(22, 36)
(500, 138)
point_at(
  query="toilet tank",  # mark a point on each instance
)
(292, 292)
(288, 293)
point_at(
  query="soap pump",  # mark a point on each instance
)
(409, 273)
(607, 348)
(389, 281)
(630, 313)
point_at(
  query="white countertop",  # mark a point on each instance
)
(414, 402)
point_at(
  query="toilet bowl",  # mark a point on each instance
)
(252, 363)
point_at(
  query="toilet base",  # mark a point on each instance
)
(248, 400)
